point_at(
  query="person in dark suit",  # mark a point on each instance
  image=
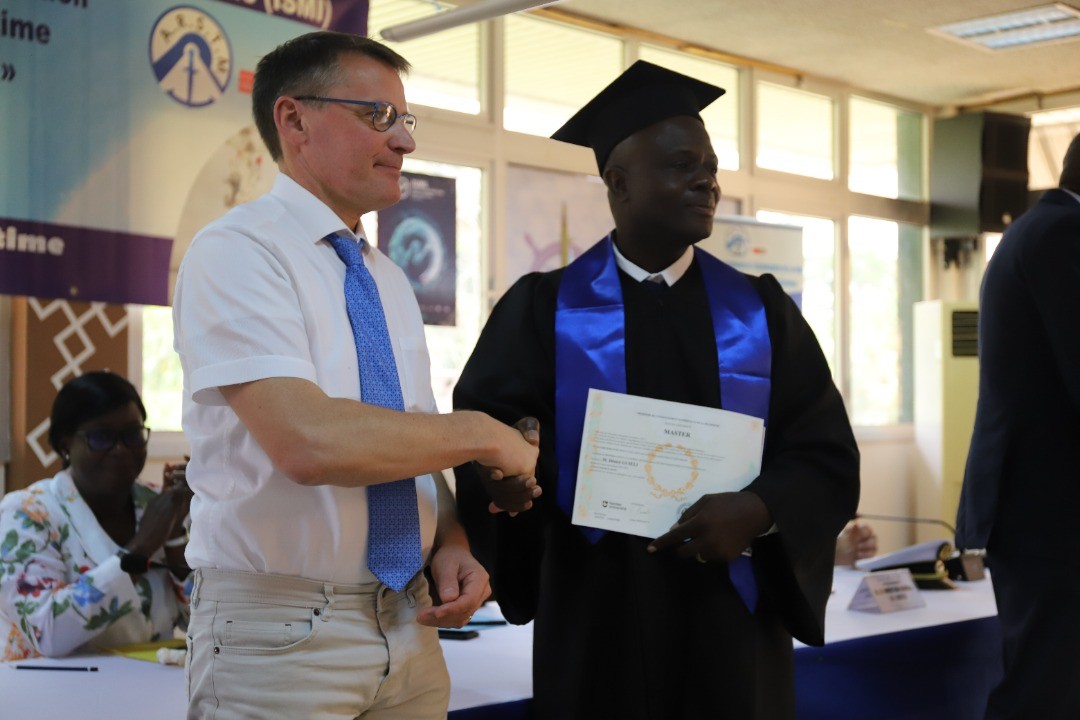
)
(1021, 491)
(684, 626)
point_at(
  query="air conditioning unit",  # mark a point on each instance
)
(946, 393)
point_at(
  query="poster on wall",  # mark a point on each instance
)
(419, 234)
(551, 218)
(757, 248)
(125, 126)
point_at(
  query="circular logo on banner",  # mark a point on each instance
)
(190, 56)
(737, 244)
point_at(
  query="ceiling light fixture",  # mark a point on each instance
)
(476, 12)
(1035, 26)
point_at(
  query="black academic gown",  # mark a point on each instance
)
(622, 633)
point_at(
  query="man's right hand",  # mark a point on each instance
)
(513, 493)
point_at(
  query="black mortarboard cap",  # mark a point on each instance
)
(644, 94)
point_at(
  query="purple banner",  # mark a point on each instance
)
(74, 263)
(349, 16)
(419, 234)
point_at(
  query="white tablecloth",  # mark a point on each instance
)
(493, 668)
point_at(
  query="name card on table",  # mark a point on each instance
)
(887, 591)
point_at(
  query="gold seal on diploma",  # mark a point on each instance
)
(663, 455)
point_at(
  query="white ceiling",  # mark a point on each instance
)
(877, 45)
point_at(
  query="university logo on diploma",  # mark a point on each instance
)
(643, 462)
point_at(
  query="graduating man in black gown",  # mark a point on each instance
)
(686, 625)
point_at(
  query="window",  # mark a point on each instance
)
(886, 280)
(991, 242)
(819, 304)
(450, 346)
(445, 66)
(722, 117)
(162, 379)
(795, 131)
(886, 150)
(552, 70)
(861, 273)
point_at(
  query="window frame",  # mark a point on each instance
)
(481, 141)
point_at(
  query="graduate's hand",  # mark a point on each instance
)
(459, 586)
(716, 527)
(513, 494)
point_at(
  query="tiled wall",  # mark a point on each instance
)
(53, 341)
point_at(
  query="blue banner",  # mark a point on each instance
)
(126, 125)
(342, 15)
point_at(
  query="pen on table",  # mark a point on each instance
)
(486, 622)
(74, 668)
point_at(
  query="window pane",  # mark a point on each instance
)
(162, 379)
(445, 66)
(552, 70)
(886, 150)
(722, 117)
(885, 283)
(819, 276)
(991, 240)
(795, 131)
(450, 345)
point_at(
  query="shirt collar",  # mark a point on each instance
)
(1075, 196)
(310, 212)
(671, 274)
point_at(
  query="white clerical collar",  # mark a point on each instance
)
(671, 274)
(1075, 196)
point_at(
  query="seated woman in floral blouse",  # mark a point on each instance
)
(63, 586)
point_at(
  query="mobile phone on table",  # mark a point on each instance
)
(457, 634)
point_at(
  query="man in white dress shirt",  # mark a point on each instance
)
(288, 619)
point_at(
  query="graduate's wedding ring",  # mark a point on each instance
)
(700, 559)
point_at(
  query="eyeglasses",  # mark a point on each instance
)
(102, 441)
(383, 116)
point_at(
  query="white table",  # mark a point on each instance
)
(938, 662)
(969, 601)
(492, 669)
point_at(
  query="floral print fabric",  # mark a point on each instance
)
(61, 586)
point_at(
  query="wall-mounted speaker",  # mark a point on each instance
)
(978, 173)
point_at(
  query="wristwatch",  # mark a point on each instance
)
(132, 563)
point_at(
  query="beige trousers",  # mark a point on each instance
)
(270, 646)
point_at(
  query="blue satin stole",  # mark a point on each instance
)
(590, 352)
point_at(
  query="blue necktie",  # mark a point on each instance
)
(393, 522)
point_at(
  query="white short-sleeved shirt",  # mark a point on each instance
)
(260, 294)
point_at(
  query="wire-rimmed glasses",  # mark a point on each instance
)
(383, 114)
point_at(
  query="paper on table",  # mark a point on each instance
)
(643, 462)
(928, 552)
(146, 651)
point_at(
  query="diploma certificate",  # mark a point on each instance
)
(643, 462)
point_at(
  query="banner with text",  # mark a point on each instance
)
(125, 125)
(758, 248)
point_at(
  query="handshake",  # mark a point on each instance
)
(516, 493)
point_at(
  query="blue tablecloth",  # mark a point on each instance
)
(942, 672)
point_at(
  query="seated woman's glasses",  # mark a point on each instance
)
(104, 441)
